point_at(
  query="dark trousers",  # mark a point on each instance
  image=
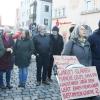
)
(50, 66)
(98, 72)
(89, 98)
(42, 62)
(8, 76)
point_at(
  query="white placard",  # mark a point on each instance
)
(78, 82)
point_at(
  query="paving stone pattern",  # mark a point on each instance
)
(31, 92)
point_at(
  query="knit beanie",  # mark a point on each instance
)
(55, 28)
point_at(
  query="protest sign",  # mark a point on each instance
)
(65, 60)
(78, 82)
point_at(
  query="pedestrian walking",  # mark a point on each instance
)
(34, 29)
(7, 60)
(79, 46)
(42, 45)
(2, 49)
(71, 30)
(23, 50)
(57, 47)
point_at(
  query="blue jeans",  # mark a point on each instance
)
(23, 72)
(8, 76)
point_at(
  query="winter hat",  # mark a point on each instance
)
(55, 28)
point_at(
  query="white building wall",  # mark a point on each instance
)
(24, 13)
(74, 9)
(41, 14)
(38, 14)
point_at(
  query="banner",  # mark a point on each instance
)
(77, 82)
(65, 61)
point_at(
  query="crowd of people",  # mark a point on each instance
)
(18, 48)
(82, 43)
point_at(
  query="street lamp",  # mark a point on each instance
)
(51, 17)
(34, 10)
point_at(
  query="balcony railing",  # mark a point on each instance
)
(96, 10)
(47, 0)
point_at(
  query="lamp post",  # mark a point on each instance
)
(34, 10)
(51, 17)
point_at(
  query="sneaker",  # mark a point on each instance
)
(38, 83)
(45, 83)
(21, 85)
(9, 86)
(2, 86)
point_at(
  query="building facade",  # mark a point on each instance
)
(24, 12)
(71, 12)
(17, 23)
(85, 11)
(38, 11)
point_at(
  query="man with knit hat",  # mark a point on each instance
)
(57, 44)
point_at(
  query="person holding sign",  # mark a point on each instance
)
(79, 46)
(57, 47)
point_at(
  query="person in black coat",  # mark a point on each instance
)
(42, 46)
(23, 50)
(57, 47)
(94, 40)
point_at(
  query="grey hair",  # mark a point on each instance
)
(75, 33)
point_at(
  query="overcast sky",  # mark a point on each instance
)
(8, 11)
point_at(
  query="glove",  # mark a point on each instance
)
(9, 50)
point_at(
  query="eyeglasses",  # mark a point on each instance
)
(82, 29)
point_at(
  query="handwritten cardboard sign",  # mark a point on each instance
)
(65, 61)
(78, 82)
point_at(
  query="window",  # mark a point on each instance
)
(31, 11)
(46, 8)
(22, 23)
(55, 13)
(59, 12)
(21, 3)
(63, 11)
(89, 4)
(45, 21)
(27, 11)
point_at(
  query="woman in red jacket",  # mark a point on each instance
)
(6, 61)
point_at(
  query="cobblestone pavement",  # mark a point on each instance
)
(31, 92)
